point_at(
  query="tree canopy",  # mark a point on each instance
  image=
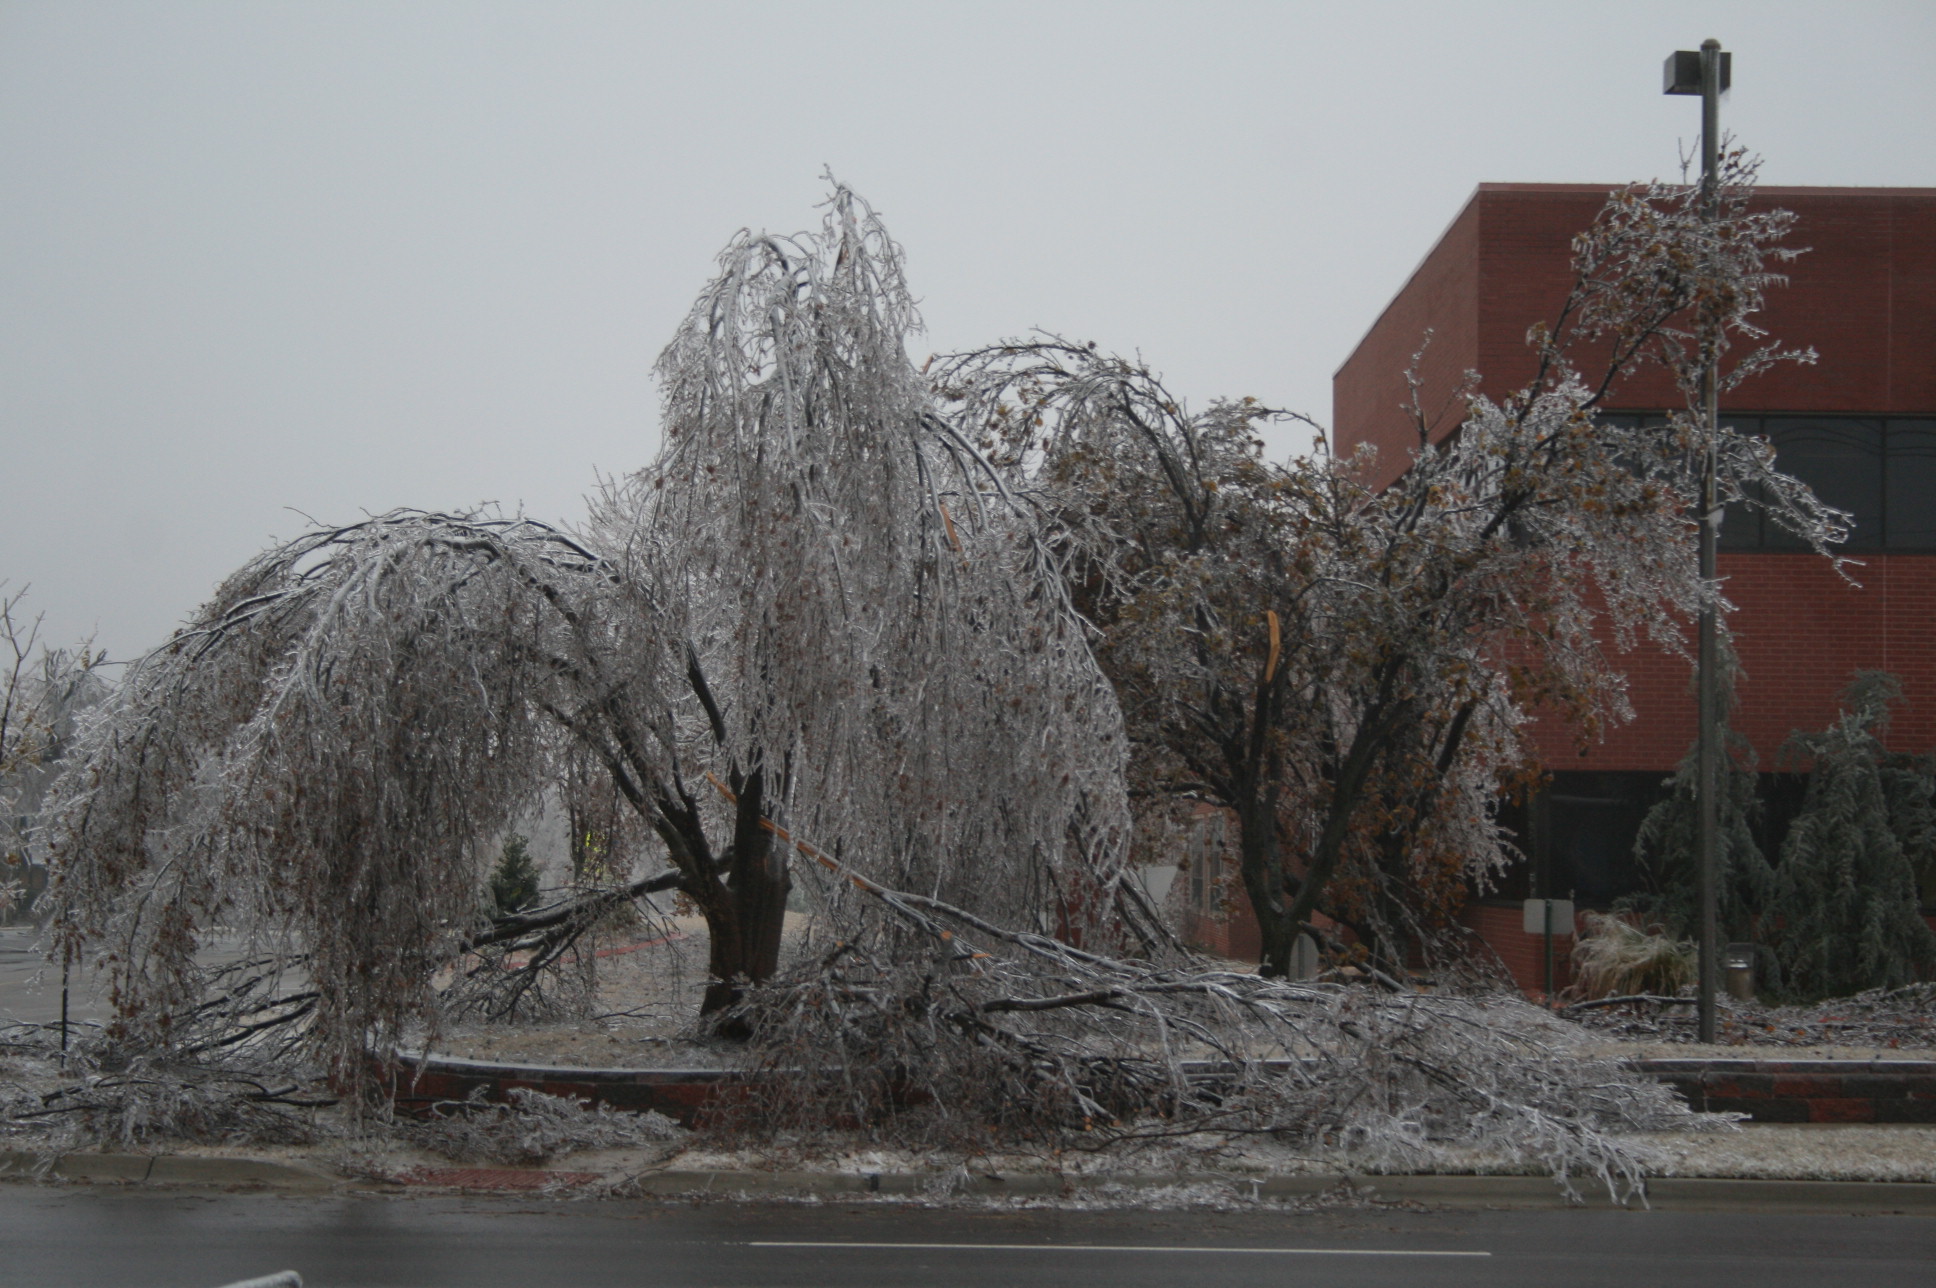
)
(817, 613)
(1349, 668)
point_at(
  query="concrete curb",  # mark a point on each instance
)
(1667, 1194)
(1680, 1194)
(166, 1169)
(1766, 1090)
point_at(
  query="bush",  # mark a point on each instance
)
(1615, 958)
(1846, 906)
(1667, 850)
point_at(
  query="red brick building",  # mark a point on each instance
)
(1859, 426)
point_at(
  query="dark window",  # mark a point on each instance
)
(1778, 802)
(1586, 831)
(1909, 501)
(1839, 457)
(1578, 835)
(1741, 526)
(1882, 470)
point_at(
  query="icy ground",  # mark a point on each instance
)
(648, 981)
(1755, 1151)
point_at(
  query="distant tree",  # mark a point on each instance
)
(1909, 790)
(514, 878)
(1846, 907)
(43, 692)
(1667, 850)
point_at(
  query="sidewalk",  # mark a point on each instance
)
(1681, 1194)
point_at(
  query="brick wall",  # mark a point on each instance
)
(1523, 955)
(1442, 297)
(1800, 631)
(1804, 1091)
(1864, 297)
(1233, 934)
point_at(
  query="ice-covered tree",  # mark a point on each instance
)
(43, 692)
(1347, 667)
(896, 671)
(320, 756)
(816, 613)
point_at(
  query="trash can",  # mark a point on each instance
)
(1739, 964)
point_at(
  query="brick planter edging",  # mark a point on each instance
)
(680, 1094)
(1768, 1091)
(1803, 1091)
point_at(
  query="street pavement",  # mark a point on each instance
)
(29, 987)
(97, 1238)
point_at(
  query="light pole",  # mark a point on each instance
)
(1708, 73)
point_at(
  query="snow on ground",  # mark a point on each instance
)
(1766, 1151)
(1800, 1151)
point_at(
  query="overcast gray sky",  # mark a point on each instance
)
(263, 260)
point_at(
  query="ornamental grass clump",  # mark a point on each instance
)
(1616, 958)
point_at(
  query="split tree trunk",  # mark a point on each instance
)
(745, 916)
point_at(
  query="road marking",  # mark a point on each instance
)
(1116, 1247)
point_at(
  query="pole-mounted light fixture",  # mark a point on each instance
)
(1682, 72)
(1707, 72)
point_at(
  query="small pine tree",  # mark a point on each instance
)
(514, 881)
(1667, 850)
(1909, 788)
(1846, 899)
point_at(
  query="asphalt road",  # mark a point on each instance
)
(102, 1238)
(29, 987)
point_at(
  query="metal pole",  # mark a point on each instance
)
(67, 958)
(1549, 951)
(1708, 754)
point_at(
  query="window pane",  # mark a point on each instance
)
(1841, 458)
(1592, 820)
(1912, 485)
(1741, 524)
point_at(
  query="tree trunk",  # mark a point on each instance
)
(746, 911)
(1263, 878)
(745, 924)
